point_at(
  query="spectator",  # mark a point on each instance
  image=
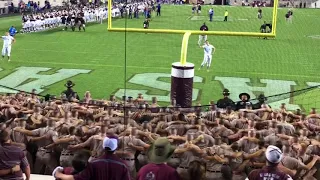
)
(10, 156)
(273, 155)
(159, 154)
(197, 170)
(107, 167)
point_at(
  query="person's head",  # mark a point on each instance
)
(110, 144)
(160, 151)
(134, 131)
(79, 161)
(181, 117)
(22, 122)
(4, 136)
(279, 129)
(235, 146)
(252, 133)
(7, 33)
(207, 42)
(103, 128)
(190, 136)
(67, 115)
(37, 108)
(197, 170)
(304, 132)
(286, 148)
(303, 148)
(50, 123)
(72, 130)
(226, 172)
(173, 131)
(226, 92)
(273, 155)
(244, 97)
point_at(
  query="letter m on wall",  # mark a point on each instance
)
(28, 78)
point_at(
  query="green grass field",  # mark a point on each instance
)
(292, 57)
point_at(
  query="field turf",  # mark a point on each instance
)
(291, 56)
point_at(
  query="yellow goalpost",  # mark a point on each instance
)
(187, 33)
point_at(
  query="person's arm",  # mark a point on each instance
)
(4, 172)
(217, 158)
(33, 139)
(253, 155)
(82, 145)
(27, 132)
(139, 148)
(180, 150)
(311, 163)
(25, 165)
(60, 175)
(27, 172)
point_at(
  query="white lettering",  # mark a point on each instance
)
(28, 78)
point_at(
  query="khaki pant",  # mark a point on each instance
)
(143, 160)
(45, 160)
(184, 175)
(132, 167)
(241, 176)
(213, 175)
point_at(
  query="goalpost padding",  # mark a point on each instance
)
(182, 83)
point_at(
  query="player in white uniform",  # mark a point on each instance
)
(208, 48)
(7, 42)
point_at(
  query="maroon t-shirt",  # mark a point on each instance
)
(268, 172)
(158, 172)
(107, 167)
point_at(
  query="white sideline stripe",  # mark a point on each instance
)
(164, 68)
(180, 73)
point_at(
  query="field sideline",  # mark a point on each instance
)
(291, 57)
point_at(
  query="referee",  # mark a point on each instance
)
(203, 38)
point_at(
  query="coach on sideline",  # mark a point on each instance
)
(107, 167)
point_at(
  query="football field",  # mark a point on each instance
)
(95, 60)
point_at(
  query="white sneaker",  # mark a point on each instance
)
(9, 60)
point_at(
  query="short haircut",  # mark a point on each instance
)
(197, 170)
(4, 136)
(80, 161)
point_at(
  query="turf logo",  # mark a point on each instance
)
(272, 87)
(28, 78)
(156, 81)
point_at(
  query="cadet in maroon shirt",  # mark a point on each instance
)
(107, 167)
(159, 153)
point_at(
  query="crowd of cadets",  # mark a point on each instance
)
(146, 8)
(68, 18)
(227, 134)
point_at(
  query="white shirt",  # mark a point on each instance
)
(7, 41)
(208, 49)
